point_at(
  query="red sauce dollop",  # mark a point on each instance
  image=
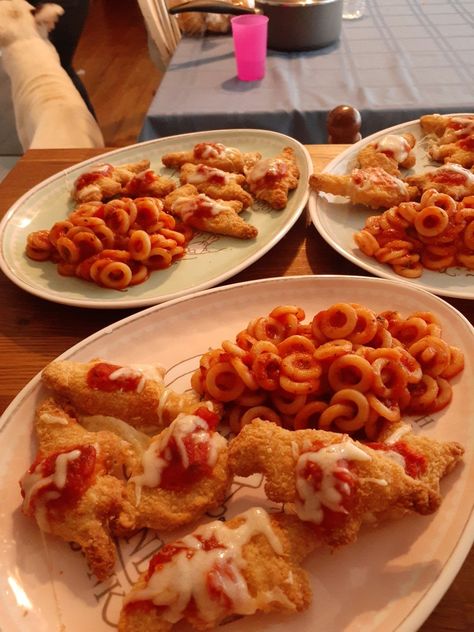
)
(415, 463)
(98, 378)
(88, 178)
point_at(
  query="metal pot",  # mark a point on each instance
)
(293, 25)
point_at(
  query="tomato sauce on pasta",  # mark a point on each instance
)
(349, 369)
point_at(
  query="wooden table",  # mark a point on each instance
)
(33, 331)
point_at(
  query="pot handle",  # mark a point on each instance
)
(211, 6)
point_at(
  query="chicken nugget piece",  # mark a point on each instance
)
(182, 474)
(148, 183)
(448, 129)
(451, 179)
(271, 179)
(134, 393)
(389, 153)
(216, 183)
(70, 490)
(330, 480)
(372, 187)
(220, 217)
(460, 152)
(422, 458)
(250, 563)
(212, 154)
(104, 181)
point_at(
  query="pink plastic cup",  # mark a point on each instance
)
(250, 45)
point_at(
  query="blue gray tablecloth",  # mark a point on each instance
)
(404, 58)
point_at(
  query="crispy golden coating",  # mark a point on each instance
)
(149, 409)
(212, 154)
(448, 129)
(216, 183)
(439, 458)
(274, 580)
(389, 153)
(104, 181)
(220, 217)
(88, 518)
(451, 179)
(148, 183)
(381, 483)
(271, 179)
(163, 507)
(460, 151)
(372, 187)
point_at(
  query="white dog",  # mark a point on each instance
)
(49, 111)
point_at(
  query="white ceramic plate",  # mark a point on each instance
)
(390, 579)
(209, 260)
(337, 221)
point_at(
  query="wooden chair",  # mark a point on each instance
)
(163, 31)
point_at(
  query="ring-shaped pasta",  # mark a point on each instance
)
(433, 362)
(39, 246)
(468, 236)
(222, 382)
(333, 349)
(338, 321)
(266, 370)
(432, 262)
(408, 211)
(309, 415)
(67, 269)
(301, 367)
(466, 259)
(366, 242)
(298, 388)
(116, 275)
(231, 347)
(59, 229)
(444, 396)
(105, 234)
(139, 245)
(88, 243)
(334, 412)
(287, 403)
(67, 249)
(148, 213)
(441, 200)
(423, 394)
(456, 363)
(351, 371)
(178, 237)
(412, 271)
(281, 311)
(295, 343)
(158, 259)
(118, 220)
(140, 273)
(365, 328)
(431, 221)
(245, 340)
(390, 378)
(234, 416)
(410, 330)
(268, 328)
(85, 220)
(263, 346)
(354, 399)
(260, 412)
(244, 373)
(388, 410)
(251, 398)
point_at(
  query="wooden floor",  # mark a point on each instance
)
(113, 62)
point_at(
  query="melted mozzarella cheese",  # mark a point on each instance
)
(204, 174)
(468, 175)
(266, 166)
(396, 145)
(311, 501)
(54, 420)
(174, 584)
(186, 207)
(158, 455)
(142, 371)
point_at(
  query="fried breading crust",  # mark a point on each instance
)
(225, 222)
(451, 179)
(265, 571)
(263, 447)
(102, 182)
(230, 190)
(148, 183)
(166, 509)
(377, 155)
(270, 190)
(221, 157)
(372, 187)
(90, 520)
(68, 379)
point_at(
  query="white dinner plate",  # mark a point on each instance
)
(390, 579)
(209, 259)
(337, 220)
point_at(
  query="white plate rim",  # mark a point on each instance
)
(427, 601)
(245, 261)
(367, 263)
